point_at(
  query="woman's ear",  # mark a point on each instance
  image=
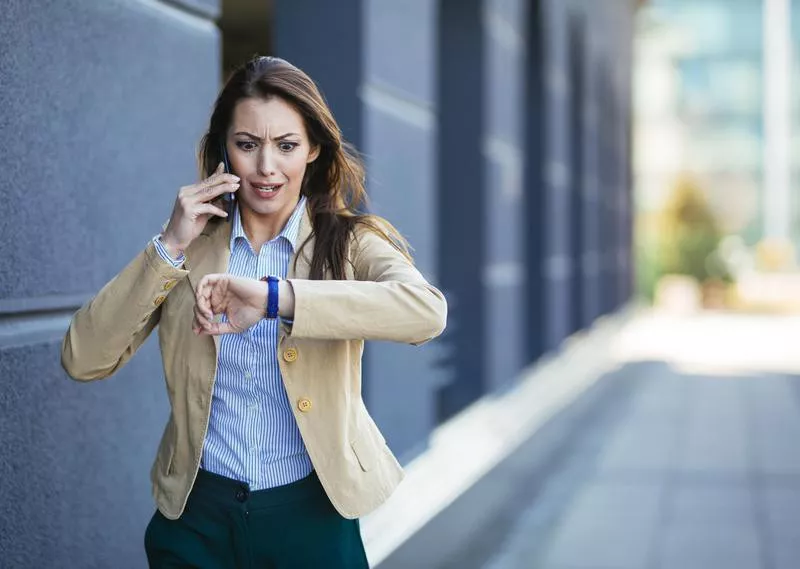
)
(314, 154)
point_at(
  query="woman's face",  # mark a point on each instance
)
(269, 150)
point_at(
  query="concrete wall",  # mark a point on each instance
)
(398, 94)
(603, 194)
(101, 106)
(503, 187)
(552, 251)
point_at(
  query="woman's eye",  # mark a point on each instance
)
(287, 146)
(246, 145)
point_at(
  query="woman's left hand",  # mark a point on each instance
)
(243, 301)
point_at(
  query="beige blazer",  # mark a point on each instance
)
(384, 298)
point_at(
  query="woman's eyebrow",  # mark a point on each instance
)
(254, 137)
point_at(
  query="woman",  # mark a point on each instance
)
(269, 456)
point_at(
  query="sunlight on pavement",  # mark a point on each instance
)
(713, 342)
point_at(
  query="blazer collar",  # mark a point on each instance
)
(302, 259)
(211, 251)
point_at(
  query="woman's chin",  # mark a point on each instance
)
(270, 207)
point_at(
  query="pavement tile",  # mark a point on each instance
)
(775, 451)
(781, 503)
(784, 551)
(715, 446)
(711, 503)
(706, 546)
(608, 525)
(652, 449)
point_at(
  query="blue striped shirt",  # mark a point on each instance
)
(252, 433)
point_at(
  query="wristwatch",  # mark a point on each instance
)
(272, 296)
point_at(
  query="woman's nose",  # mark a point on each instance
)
(266, 163)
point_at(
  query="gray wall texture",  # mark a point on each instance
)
(461, 109)
(101, 107)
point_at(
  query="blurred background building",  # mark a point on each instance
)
(497, 138)
(716, 111)
(699, 104)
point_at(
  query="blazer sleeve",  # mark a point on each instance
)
(108, 329)
(389, 300)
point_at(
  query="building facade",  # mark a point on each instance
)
(496, 135)
(699, 104)
(706, 86)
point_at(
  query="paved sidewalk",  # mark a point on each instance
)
(685, 457)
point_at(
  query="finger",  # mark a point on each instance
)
(197, 320)
(215, 175)
(205, 313)
(201, 318)
(205, 327)
(208, 281)
(209, 209)
(217, 178)
(210, 193)
(202, 297)
(196, 328)
(218, 328)
(205, 310)
(205, 290)
(225, 328)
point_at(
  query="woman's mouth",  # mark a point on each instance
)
(267, 190)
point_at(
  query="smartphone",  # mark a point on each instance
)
(227, 197)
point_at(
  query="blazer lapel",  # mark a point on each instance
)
(300, 265)
(209, 254)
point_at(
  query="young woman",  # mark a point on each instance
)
(269, 456)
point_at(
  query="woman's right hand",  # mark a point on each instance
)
(193, 209)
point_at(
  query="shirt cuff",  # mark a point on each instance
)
(286, 324)
(162, 252)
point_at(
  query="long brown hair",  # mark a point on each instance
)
(333, 183)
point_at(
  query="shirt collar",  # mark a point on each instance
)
(289, 231)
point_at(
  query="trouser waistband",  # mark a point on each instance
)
(224, 490)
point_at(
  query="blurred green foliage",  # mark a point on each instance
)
(648, 268)
(685, 241)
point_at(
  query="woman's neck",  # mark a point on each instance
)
(262, 228)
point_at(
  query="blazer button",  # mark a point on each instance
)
(304, 405)
(290, 355)
(159, 300)
(168, 285)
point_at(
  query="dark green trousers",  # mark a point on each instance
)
(227, 526)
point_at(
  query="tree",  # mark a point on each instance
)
(690, 235)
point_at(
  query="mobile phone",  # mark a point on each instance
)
(227, 197)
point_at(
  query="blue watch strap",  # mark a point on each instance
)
(272, 296)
